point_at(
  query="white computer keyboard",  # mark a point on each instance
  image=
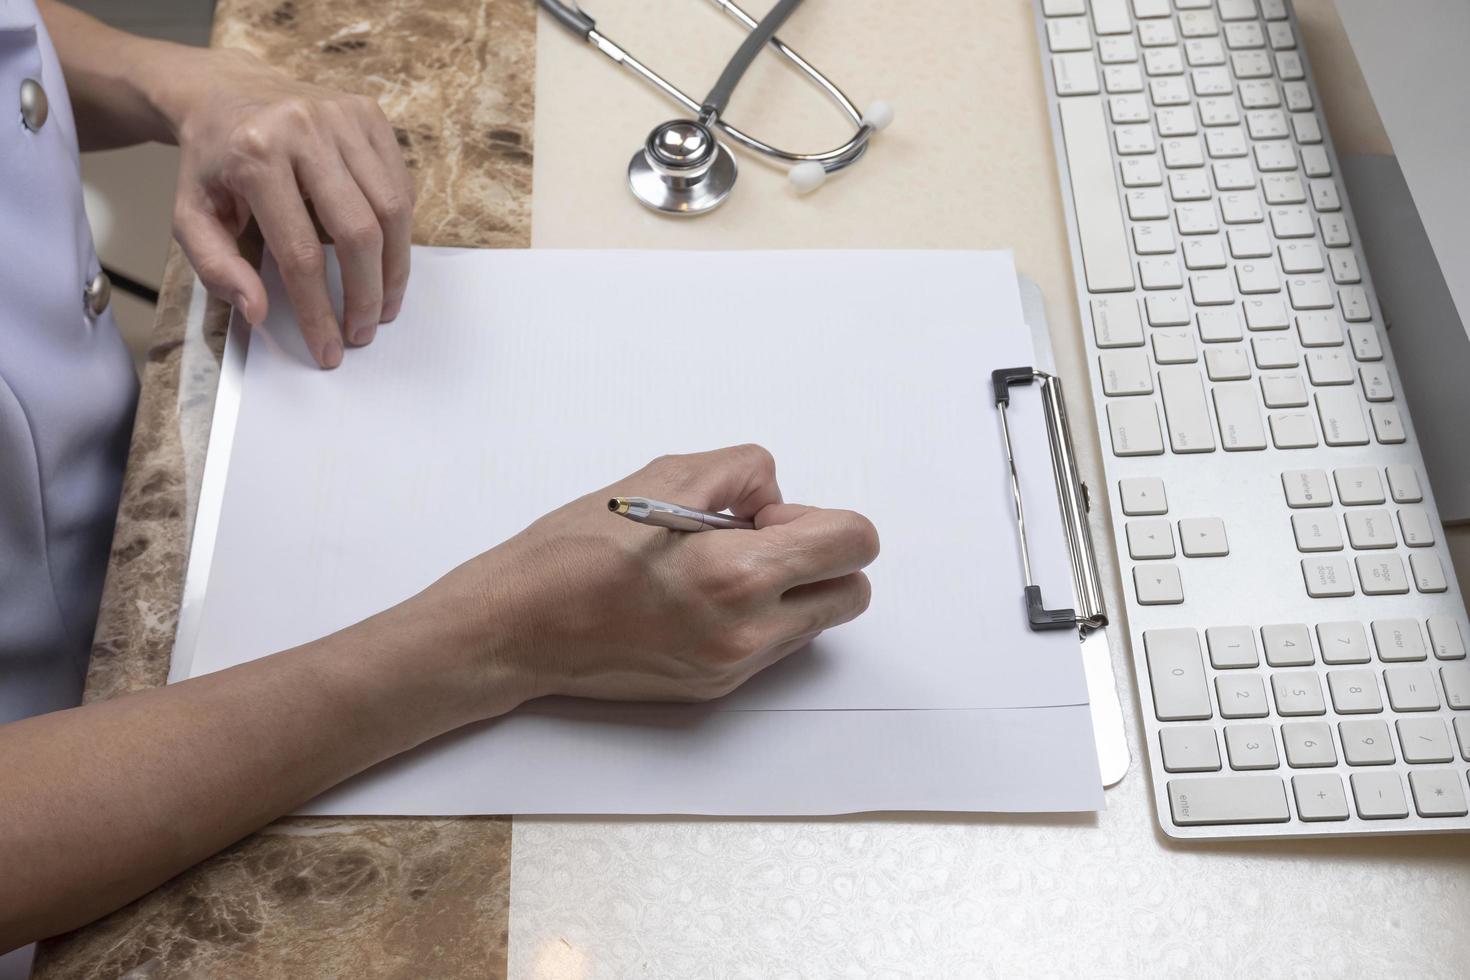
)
(1297, 632)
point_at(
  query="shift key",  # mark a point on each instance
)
(1188, 414)
(1228, 799)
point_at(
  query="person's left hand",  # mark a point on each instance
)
(256, 143)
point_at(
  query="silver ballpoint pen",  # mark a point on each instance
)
(674, 517)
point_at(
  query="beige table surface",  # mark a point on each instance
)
(968, 164)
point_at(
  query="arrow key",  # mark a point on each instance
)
(1157, 585)
(1203, 537)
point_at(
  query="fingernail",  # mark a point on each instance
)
(363, 333)
(332, 354)
(390, 311)
(239, 303)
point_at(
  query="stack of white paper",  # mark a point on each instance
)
(486, 404)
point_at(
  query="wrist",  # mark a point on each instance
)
(169, 79)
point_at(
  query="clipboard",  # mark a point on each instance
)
(1088, 614)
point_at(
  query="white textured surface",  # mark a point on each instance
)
(910, 896)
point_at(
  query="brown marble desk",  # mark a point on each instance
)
(955, 897)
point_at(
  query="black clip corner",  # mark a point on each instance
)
(1042, 618)
(1001, 380)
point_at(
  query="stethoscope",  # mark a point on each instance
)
(682, 168)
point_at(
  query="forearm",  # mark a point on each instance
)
(117, 80)
(99, 804)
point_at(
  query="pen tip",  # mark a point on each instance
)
(618, 505)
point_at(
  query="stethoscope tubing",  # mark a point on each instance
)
(574, 19)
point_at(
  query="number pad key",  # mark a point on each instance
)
(1288, 645)
(1343, 643)
(1398, 640)
(1232, 647)
(1319, 796)
(1424, 740)
(1298, 692)
(1241, 696)
(1379, 795)
(1366, 742)
(1251, 747)
(1190, 748)
(1354, 692)
(1308, 744)
(1438, 792)
(1411, 689)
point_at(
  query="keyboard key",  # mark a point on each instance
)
(1306, 488)
(1127, 108)
(1456, 681)
(1168, 91)
(1157, 33)
(1309, 292)
(1183, 151)
(1241, 696)
(1308, 744)
(1424, 740)
(1140, 171)
(1265, 313)
(1364, 341)
(1319, 330)
(1438, 792)
(1196, 219)
(1366, 742)
(1117, 50)
(1403, 481)
(1176, 675)
(1232, 364)
(1398, 640)
(1116, 322)
(1315, 532)
(1370, 529)
(1236, 407)
(1379, 795)
(1211, 289)
(1263, 124)
(1275, 352)
(1297, 692)
(1185, 410)
(1204, 253)
(1248, 35)
(1299, 256)
(1410, 689)
(1319, 797)
(1306, 127)
(1358, 485)
(1174, 347)
(1242, 208)
(1190, 748)
(1198, 23)
(1218, 326)
(1287, 645)
(1327, 578)
(1202, 800)
(1257, 277)
(1122, 78)
(1163, 60)
(1283, 391)
(1204, 51)
(1382, 575)
(1203, 537)
(1314, 158)
(1428, 573)
(1074, 74)
(1068, 34)
(1167, 310)
(1134, 427)
(1153, 237)
(1388, 425)
(1280, 35)
(1057, 8)
(1104, 246)
(1146, 203)
(1144, 9)
(1111, 17)
(1462, 735)
(1343, 643)
(1445, 638)
(1131, 140)
(1293, 430)
(1342, 417)
(1126, 372)
(1251, 747)
(1143, 496)
(1335, 230)
(1329, 367)
(1354, 692)
(1354, 303)
(1283, 189)
(1377, 385)
(1157, 584)
(1150, 539)
(1160, 273)
(1232, 647)
(1227, 142)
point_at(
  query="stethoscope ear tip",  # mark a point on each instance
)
(879, 115)
(807, 176)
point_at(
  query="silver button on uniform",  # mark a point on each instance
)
(33, 105)
(98, 294)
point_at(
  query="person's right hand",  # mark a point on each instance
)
(589, 604)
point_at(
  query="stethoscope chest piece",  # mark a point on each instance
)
(682, 169)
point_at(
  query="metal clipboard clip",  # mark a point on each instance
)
(1071, 497)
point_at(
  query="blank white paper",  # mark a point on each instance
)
(515, 381)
